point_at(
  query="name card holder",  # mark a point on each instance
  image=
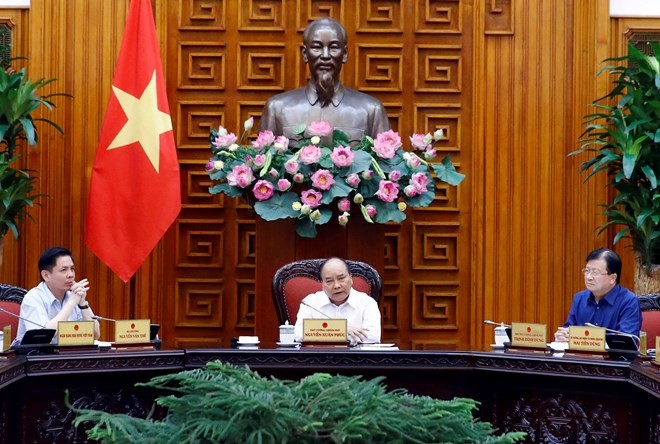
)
(75, 333)
(656, 361)
(327, 331)
(6, 341)
(527, 336)
(582, 339)
(133, 333)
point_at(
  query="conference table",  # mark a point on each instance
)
(569, 398)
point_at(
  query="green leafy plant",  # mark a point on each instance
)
(319, 171)
(624, 141)
(223, 403)
(19, 99)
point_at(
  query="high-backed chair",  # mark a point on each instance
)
(650, 305)
(294, 281)
(10, 300)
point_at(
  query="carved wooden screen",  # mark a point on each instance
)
(225, 59)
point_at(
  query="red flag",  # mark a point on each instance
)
(135, 194)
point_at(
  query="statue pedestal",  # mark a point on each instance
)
(278, 244)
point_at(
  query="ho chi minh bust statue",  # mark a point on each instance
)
(325, 98)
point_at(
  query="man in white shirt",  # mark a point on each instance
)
(58, 297)
(339, 300)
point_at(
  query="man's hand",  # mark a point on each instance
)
(561, 335)
(79, 289)
(357, 334)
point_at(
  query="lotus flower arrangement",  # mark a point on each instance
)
(319, 172)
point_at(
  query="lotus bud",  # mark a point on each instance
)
(315, 140)
(222, 131)
(248, 124)
(344, 205)
(367, 174)
(371, 210)
(343, 219)
(358, 199)
(427, 139)
(316, 215)
(438, 135)
(296, 206)
(298, 178)
(273, 173)
(233, 147)
(305, 210)
(402, 206)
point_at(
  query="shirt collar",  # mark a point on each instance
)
(50, 294)
(610, 297)
(313, 97)
(347, 301)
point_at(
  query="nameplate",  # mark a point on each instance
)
(528, 335)
(132, 331)
(657, 347)
(325, 330)
(75, 333)
(586, 338)
(6, 337)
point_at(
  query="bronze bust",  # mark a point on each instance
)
(325, 98)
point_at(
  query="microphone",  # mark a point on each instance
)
(498, 324)
(21, 318)
(315, 309)
(101, 318)
(589, 324)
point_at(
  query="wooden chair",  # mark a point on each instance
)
(650, 305)
(294, 281)
(10, 300)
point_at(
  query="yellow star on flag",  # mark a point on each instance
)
(145, 121)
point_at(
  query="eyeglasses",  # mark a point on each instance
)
(593, 272)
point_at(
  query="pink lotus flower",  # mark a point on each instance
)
(353, 180)
(387, 191)
(430, 154)
(291, 166)
(273, 173)
(410, 191)
(342, 156)
(240, 176)
(223, 141)
(413, 162)
(319, 128)
(386, 144)
(419, 141)
(281, 144)
(394, 175)
(344, 205)
(311, 198)
(298, 178)
(371, 211)
(310, 154)
(323, 180)
(263, 190)
(259, 160)
(264, 139)
(210, 166)
(420, 181)
(283, 184)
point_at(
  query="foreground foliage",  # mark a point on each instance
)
(223, 403)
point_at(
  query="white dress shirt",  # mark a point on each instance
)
(40, 306)
(360, 310)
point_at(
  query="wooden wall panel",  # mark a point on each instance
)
(508, 80)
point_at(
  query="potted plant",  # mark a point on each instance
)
(623, 139)
(224, 403)
(19, 98)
